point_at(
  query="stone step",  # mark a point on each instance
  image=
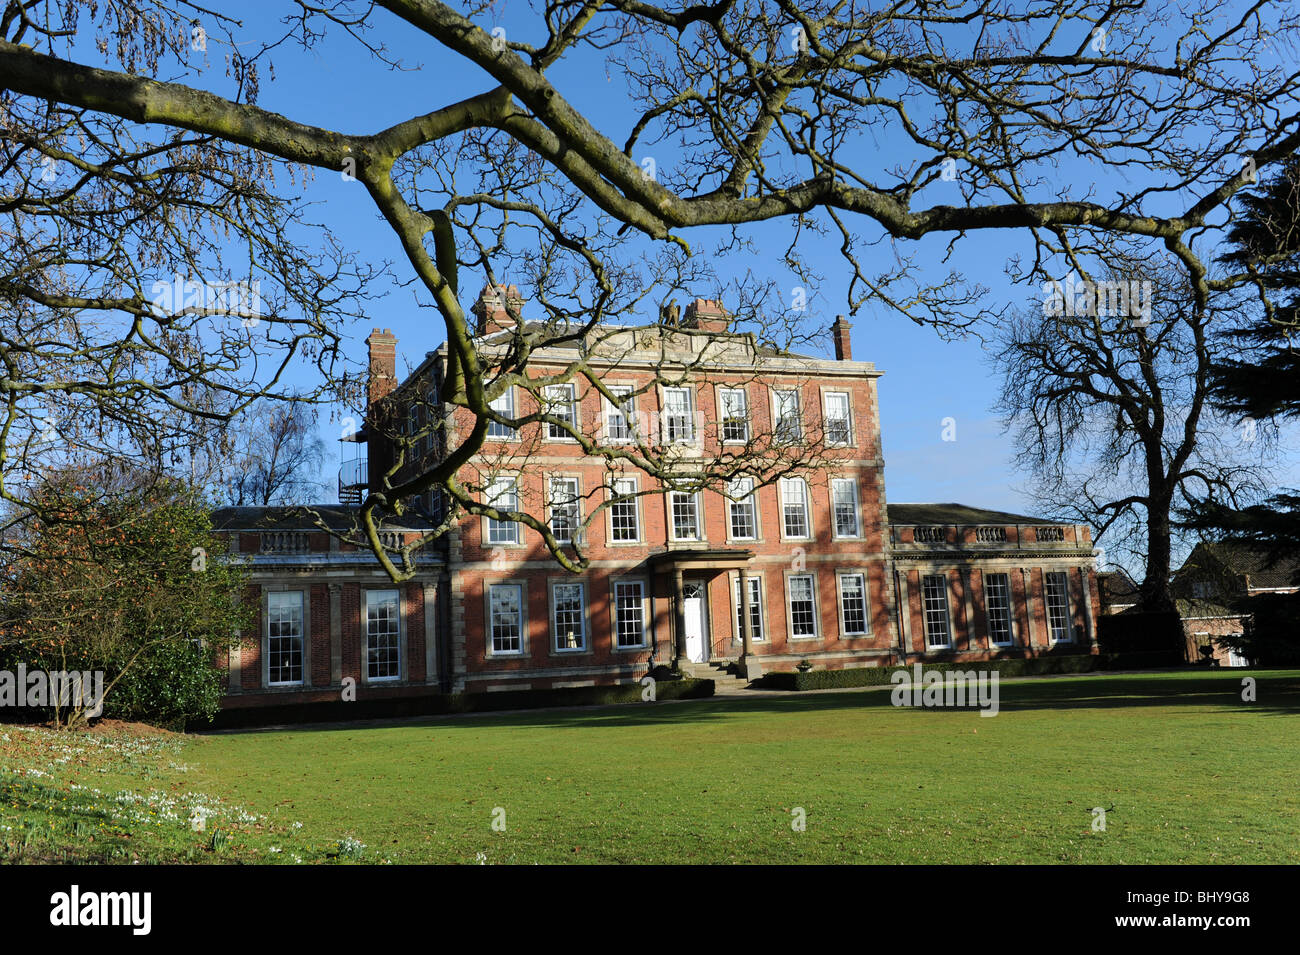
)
(724, 680)
(717, 671)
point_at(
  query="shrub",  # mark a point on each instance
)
(438, 704)
(124, 586)
(169, 686)
(1131, 632)
(1272, 637)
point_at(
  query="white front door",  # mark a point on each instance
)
(693, 610)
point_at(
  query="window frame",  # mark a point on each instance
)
(397, 635)
(827, 393)
(750, 500)
(489, 642)
(947, 612)
(616, 609)
(634, 503)
(511, 434)
(985, 579)
(866, 603)
(695, 497)
(811, 577)
(782, 483)
(1047, 606)
(857, 510)
(721, 393)
(491, 499)
(583, 611)
(304, 634)
(430, 405)
(774, 396)
(626, 411)
(575, 530)
(692, 438)
(572, 417)
(758, 634)
(411, 430)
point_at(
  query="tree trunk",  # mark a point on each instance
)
(1154, 594)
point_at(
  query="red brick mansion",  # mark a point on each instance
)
(747, 576)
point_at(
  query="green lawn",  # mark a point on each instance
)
(1194, 775)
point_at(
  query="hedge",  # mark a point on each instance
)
(1132, 632)
(438, 704)
(1037, 666)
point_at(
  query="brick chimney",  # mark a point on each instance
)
(706, 315)
(840, 332)
(494, 306)
(383, 363)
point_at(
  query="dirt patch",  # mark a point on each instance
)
(123, 728)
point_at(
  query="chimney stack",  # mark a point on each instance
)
(494, 307)
(383, 363)
(840, 332)
(706, 315)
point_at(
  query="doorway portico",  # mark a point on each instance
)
(688, 572)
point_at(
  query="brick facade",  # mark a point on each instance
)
(841, 577)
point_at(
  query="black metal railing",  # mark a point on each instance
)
(354, 476)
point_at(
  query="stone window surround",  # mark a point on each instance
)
(857, 500)
(488, 652)
(553, 646)
(758, 516)
(646, 623)
(488, 543)
(718, 389)
(825, 390)
(866, 600)
(636, 504)
(285, 586)
(820, 632)
(733, 588)
(402, 634)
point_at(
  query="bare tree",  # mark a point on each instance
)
(912, 120)
(277, 456)
(1105, 387)
(152, 285)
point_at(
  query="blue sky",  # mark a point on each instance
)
(926, 380)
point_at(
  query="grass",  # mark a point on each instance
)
(1188, 771)
(119, 795)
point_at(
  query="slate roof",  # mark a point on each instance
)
(297, 518)
(1241, 558)
(1192, 609)
(956, 514)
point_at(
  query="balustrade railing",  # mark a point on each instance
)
(285, 542)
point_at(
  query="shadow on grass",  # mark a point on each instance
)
(1277, 693)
